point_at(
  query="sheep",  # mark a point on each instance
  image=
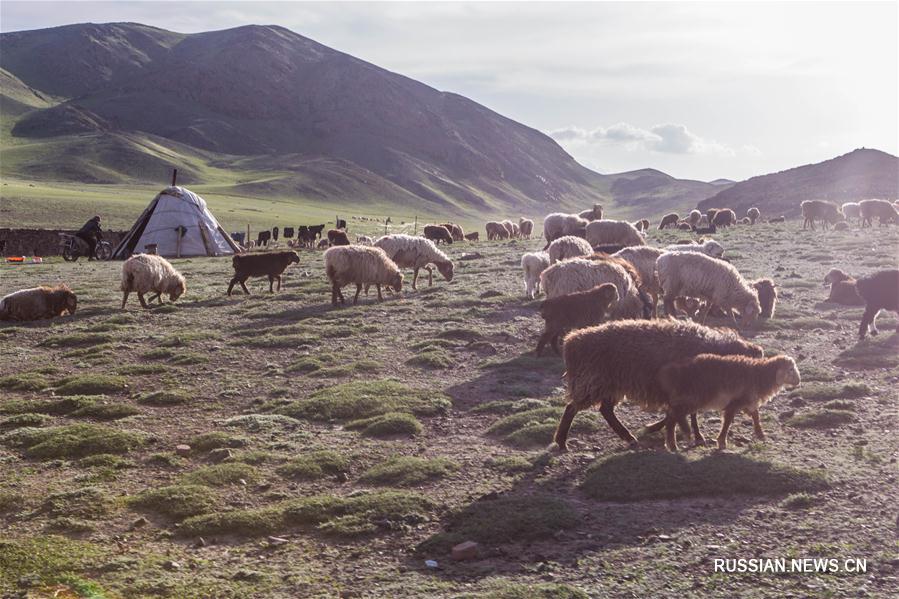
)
(559, 224)
(684, 226)
(323, 244)
(688, 274)
(644, 223)
(526, 226)
(574, 311)
(725, 218)
(416, 253)
(581, 274)
(842, 289)
(594, 213)
(710, 214)
(709, 230)
(363, 240)
(709, 247)
(882, 209)
(38, 303)
(510, 228)
(767, 293)
(269, 265)
(609, 248)
(851, 210)
(694, 217)
(568, 247)
(438, 233)
(880, 292)
(643, 259)
(813, 210)
(613, 231)
(473, 236)
(144, 273)
(669, 220)
(727, 384)
(516, 231)
(337, 237)
(753, 215)
(533, 264)
(455, 230)
(496, 230)
(361, 265)
(605, 363)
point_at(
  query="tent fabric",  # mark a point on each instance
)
(174, 212)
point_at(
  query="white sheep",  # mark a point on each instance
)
(364, 240)
(362, 265)
(643, 258)
(568, 246)
(709, 247)
(582, 274)
(695, 217)
(416, 253)
(613, 232)
(688, 274)
(559, 224)
(533, 264)
(851, 210)
(145, 273)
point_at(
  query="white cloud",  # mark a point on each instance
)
(668, 138)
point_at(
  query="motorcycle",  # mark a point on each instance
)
(73, 247)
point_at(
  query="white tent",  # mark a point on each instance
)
(180, 224)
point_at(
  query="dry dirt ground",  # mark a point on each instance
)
(334, 451)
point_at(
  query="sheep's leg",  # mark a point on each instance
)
(668, 303)
(378, 287)
(335, 291)
(430, 275)
(705, 314)
(358, 291)
(670, 422)
(271, 283)
(414, 277)
(561, 436)
(607, 410)
(143, 302)
(125, 297)
(231, 285)
(725, 426)
(867, 320)
(698, 439)
(541, 343)
(555, 344)
(243, 284)
(655, 304)
(757, 424)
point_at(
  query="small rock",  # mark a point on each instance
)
(201, 542)
(466, 550)
(140, 522)
(664, 537)
(172, 565)
(220, 454)
(432, 564)
(275, 541)
(182, 450)
(471, 256)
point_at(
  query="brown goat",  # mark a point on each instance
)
(724, 218)
(669, 220)
(438, 233)
(38, 303)
(455, 231)
(473, 236)
(337, 237)
(842, 289)
(880, 292)
(574, 311)
(767, 293)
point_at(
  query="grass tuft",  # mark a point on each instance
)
(176, 501)
(72, 441)
(92, 384)
(314, 465)
(406, 471)
(88, 503)
(216, 439)
(364, 399)
(24, 381)
(824, 418)
(387, 425)
(170, 397)
(220, 475)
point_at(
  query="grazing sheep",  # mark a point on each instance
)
(842, 289)
(574, 311)
(813, 210)
(438, 233)
(688, 274)
(337, 237)
(753, 215)
(710, 214)
(594, 213)
(709, 247)
(725, 218)
(496, 230)
(603, 364)
(694, 218)
(581, 274)
(38, 303)
(882, 209)
(323, 243)
(533, 264)
(643, 259)
(455, 230)
(269, 265)
(416, 253)
(880, 292)
(568, 247)
(728, 384)
(601, 232)
(745, 221)
(851, 210)
(363, 240)
(559, 224)
(473, 236)
(144, 273)
(361, 265)
(767, 293)
(526, 226)
(510, 228)
(669, 220)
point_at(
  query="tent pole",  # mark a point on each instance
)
(174, 176)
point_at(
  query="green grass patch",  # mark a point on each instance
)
(142, 369)
(387, 425)
(407, 471)
(88, 503)
(434, 358)
(506, 406)
(431, 344)
(76, 340)
(648, 475)
(72, 441)
(188, 359)
(364, 399)
(26, 419)
(535, 428)
(871, 353)
(824, 418)
(169, 397)
(176, 501)
(216, 439)
(840, 404)
(800, 501)
(10, 501)
(220, 475)
(52, 407)
(311, 363)
(276, 341)
(105, 460)
(45, 560)
(70, 525)
(822, 392)
(315, 465)
(24, 381)
(158, 354)
(92, 384)
(513, 464)
(105, 411)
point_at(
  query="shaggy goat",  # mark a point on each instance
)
(416, 253)
(143, 273)
(728, 384)
(594, 213)
(438, 233)
(559, 224)
(568, 247)
(767, 293)
(880, 292)
(473, 236)
(725, 218)
(38, 303)
(533, 264)
(882, 209)
(669, 220)
(842, 289)
(269, 265)
(361, 265)
(455, 230)
(574, 311)
(510, 228)
(710, 214)
(337, 237)
(526, 226)
(753, 215)
(601, 232)
(603, 364)
(813, 210)
(496, 230)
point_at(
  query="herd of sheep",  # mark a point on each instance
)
(602, 284)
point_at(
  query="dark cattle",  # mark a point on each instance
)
(338, 237)
(269, 265)
(263, 238)
(275, 233)
(288, 232)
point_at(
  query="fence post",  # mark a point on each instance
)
(415, 231)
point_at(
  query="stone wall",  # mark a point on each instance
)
(42, 242)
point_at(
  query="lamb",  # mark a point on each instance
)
(361, 265)
(709, 247)
(455, 230)
(753, 215)
(725, 218)
(638, 224)
(363, 240)
(601, 232)
(337, 237)
(594, 213)
(603, 364)
(767, 293)
(144, 273)
(694, 218)
(644, 224)
(574, 311)
(526, 226)
(559, 224)
(438, 233)
(669, 220)
(726, 384)
(38, 303)
(882, 209)
(533, 264)
(684, 226)
(813, 210)
(643, 259)
(271, 265)
(851, 210)
(496, 230)
(568, 247)
(582, 274)
(842, 289)
(323, 244)
(416, 253)
(688, 274)
(880, 292)
(473, 236)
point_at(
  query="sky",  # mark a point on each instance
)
(697, 90)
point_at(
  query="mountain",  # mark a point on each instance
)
(722, 182)
(858, 175)
(273, 112)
